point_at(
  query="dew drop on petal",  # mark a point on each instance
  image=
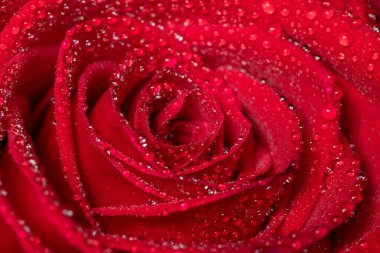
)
(222, 187)
(134, 30)
(268, 7)
(267, 44)
(297, 245)
(328, 14)
(255, 15)
(316, 137)
(286, 52)
(285, 12)
(329, 112)
(184, 206)
(60, 109)
(253, 37)
(311, 15)
(320, 232)
(341, 56)
(170, 62)
(375, 56)
(41, 14)
(126, 173)
(111, 20)
(96, 22)
(371, 67)
(356, 22)
(15, 30)
(345, 39)
(338, 94)
(363, 246)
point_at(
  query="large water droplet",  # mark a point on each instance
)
(329, 112)
(345, 39)
(268, 7)
(356, 22)
(15, 30)
(311, 15)
(184, 206)
(328, 14)
(371, 67)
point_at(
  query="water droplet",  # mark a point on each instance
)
(255, 15)
(41, 14)
(268, 7)
(285, 12)
(126, 21)
(297, 245)
(320, 232)
(310, 31)
(328, 14)
(275, 30)
(356, 22)
(267, 44)
(363, 246)
(170, 62)
(222, 187)
(371, 67)
(341, 56)
(373, 18)
(60, 109)
(15, 30)
(296, 136)
(225, 218)
(238, 222)
(345, 39)
(134, 30)
(111, 20)
(338, 93)
(286, 52)
(330, 79)
(375, 56)
(87, 28)
(240, 12)
(329, 112)
(311, 15)
(253, 37)
(350, 173)
(96, 21)
(184, 206)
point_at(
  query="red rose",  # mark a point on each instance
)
(189, 126)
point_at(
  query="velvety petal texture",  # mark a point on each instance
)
(189, 126)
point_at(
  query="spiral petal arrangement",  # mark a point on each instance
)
(189, 126)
